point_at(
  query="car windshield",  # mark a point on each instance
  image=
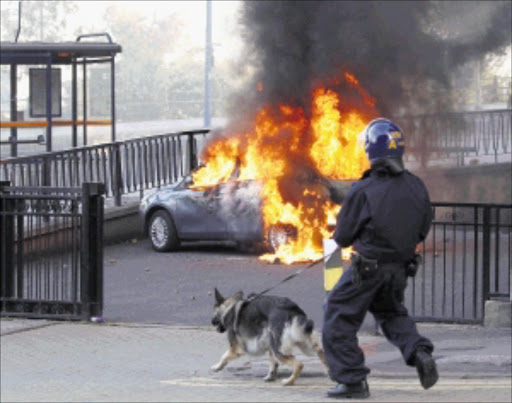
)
(188, 182)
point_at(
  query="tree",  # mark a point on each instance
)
(40, 20)
(143, 67)
(160, 72)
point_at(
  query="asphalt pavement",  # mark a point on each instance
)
(156, 343)
(176, 288)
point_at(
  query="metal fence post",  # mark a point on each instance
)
(18, 206)
(96, 205)
(84, 252)
(45, 172)
(486, 253)
(6, 246)
(117, 180)
(192, 152)
(91, 273)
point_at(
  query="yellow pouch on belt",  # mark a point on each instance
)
(333, 266)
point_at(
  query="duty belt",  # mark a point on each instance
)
(364, 268)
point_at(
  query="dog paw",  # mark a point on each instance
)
(288, 381)
(270, 378)
(216, 367)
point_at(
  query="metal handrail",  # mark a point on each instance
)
(124, 166)
(457, 134)
(79, 37)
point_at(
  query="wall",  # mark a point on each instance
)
(470, 184)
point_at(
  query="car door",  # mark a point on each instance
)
(243, 216)
(198, 216)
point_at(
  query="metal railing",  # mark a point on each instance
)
(466, 261)
(151, 162)
(124, 166)
(458, 135)
(51, 244)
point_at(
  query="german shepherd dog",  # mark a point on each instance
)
(265, 324)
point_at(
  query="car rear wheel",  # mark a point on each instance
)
(280, 234)
(162, 232)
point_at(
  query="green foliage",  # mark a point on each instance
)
(151, 85)
(160, 74)
(40, 20)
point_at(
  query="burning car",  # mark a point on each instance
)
(229, 211)
(277, 179)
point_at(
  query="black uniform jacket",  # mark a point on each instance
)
(385, 216)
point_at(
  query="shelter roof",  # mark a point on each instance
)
(60, 52)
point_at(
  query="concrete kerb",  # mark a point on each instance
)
(15, 325)
(122, 223)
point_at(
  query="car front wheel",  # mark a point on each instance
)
(279, 235)
(162, 232)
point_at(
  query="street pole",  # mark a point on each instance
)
(208, 66)
(478, 86)
(41, 21)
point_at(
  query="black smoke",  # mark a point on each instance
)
(399, 50)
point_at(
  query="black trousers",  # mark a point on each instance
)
(345, 309)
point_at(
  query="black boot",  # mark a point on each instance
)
(358, 390)
(427, 369)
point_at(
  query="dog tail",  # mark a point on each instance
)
(310, 325)
(305, 325)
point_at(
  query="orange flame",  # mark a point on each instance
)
(336, 151)
(288, 154)
(370, 101)
(221, 156)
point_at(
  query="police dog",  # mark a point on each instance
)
(265, 324)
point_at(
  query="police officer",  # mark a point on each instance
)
(384, 216)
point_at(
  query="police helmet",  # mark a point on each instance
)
(383, 139)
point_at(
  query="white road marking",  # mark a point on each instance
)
(450, 384)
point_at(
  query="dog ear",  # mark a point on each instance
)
(238, 295)
(219, 299)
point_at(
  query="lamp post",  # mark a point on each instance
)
(208, 66)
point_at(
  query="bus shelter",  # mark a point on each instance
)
(45, 86)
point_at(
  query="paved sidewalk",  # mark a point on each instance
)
(83, 361)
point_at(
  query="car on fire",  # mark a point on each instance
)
(224, 212)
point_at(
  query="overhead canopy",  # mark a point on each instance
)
(61, 52)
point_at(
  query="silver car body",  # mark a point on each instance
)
(229, 211)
